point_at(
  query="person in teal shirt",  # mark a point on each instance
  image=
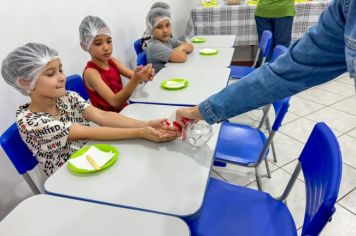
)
(277, 17)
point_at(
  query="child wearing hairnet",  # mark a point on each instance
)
(102, 75)
(147, 34)
(162, 48)
(54, 124)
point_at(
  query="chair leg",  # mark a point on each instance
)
(31, 184)
(273, 152)
(268, 170)
(258, 180)
(268, 127)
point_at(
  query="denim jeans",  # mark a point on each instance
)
(281, 29)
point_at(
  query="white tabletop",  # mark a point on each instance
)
(221, 59)
(215, 41)
(202, 84)
(57, 216)
(170, 178)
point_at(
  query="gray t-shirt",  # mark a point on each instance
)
(158, 53)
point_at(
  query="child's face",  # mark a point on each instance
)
(51, 82)
(101, 48)
(162, 31)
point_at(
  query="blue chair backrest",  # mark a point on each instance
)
(280, 109)
(17, 151)
(322, 168)
(76, 84)
(138, 46)
(266, 42)
(278, 51)
(142, 58)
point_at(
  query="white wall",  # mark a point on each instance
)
(55, 23)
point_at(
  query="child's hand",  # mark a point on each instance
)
(162, 124)
(157, 135)
(144, 73)
(186, 47)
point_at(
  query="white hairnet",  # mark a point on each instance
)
(89, 28)
(26, 63)
(163, 5)
(155, 16)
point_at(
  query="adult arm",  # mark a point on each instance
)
(318, 57)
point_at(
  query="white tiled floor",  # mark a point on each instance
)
(335, 104)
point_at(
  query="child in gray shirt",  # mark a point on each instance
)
(162, 48)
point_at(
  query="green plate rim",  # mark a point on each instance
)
(102, 147)
(210, 54)
(200, 40)
(163, 84)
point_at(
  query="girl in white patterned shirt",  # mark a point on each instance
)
(55, 123)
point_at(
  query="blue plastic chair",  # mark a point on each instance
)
(278, 51)
(142, 58)
(238, 72)
(233, 210)
(248, 146)
(76, 84)
(138, 46)
(19, 154)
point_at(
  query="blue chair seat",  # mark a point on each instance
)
(233, 210)
(238, 72)
(250, 141)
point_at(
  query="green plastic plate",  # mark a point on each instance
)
(198, 40)
(208, 51)
(174, 84)
(101, 147)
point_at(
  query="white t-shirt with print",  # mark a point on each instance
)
(46, 136)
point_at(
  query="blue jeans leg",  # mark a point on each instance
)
(282, 31)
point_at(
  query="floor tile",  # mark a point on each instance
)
(348, 180)
(349, 202)
(240, 175)
(300, 129)
(302, 107)
(339, 88)
(287, 149)
(348, 105)
(345, 79)
(335, 119)
(348, 149)
(290, 116)
(321, 96)
(251, 118)
(214, 174)
(352, 133)
(290, 168)
(342, 223)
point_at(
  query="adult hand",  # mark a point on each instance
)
(191, 113)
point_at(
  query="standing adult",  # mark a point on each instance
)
(277, 17)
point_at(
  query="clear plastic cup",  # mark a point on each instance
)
(197, 134)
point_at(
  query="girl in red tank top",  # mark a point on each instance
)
(102, 75)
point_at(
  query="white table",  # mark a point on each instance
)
(56, 216)
(215, 41)
(202, 84)
(195, 59)
(169, 178)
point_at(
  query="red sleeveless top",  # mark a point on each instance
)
(112, 79)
